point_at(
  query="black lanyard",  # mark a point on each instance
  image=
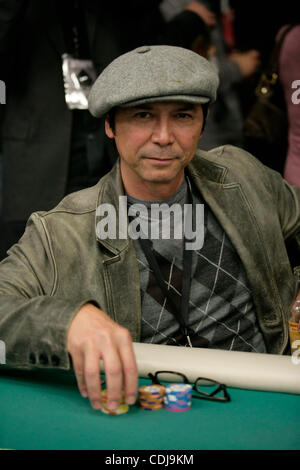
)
(180, 312)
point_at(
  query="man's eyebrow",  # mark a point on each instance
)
(149, 107)
(186, 107)
(140, 107)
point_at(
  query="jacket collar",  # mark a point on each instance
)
(203, 169)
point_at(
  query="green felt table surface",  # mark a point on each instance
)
(44, 410)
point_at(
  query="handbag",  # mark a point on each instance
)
(266, 126)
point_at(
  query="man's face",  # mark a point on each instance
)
(155, 142)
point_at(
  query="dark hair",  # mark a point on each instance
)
(112, 114)
(111, 118)
(205, 107)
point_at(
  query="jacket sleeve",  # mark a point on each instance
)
(288, 201)
(33, 321)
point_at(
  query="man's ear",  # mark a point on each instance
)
(108, 130)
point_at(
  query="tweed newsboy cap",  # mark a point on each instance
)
(154, 73)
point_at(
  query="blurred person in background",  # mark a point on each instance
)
(225, 125)
(289, 73)
(187, 29)
(50, 52)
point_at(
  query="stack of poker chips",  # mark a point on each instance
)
(123, 408)
(175, 397)
(178, 397)
(151, 397)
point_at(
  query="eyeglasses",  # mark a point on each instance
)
(206, 389)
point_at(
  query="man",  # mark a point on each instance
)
(70, 293)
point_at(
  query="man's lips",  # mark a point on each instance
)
(161, 159)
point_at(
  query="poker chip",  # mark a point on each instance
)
(122, 408)
(178, 397)
(151, 397)
(118, 411)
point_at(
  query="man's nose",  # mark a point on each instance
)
(162, 133)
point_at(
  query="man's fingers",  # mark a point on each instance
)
(78, 365)
(114, 374)
(120, 372)
(92, 377)
(130, 371)
(93, 336)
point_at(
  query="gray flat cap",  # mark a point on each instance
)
(154, 73)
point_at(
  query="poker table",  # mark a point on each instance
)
(43, 410)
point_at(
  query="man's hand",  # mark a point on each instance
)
(92, 336)
(248, 62)
(207, 15)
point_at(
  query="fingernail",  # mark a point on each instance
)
(97, 405)
(131, 399)
(84, 394)
(112, 405)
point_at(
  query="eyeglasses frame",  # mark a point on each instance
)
(200, 394)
